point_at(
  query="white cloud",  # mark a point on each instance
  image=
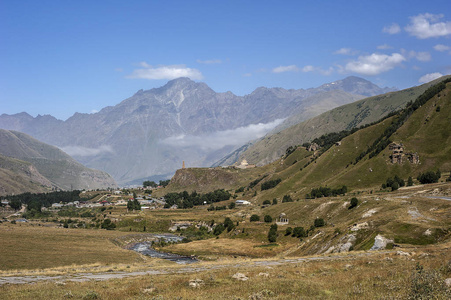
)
(429, 77)
(209, 61)
(164, 72)
(220, 139)
(384, 47)
(319, 70)
(281, 69)
(423, 56)
(441, 48)
(426, 26)
(84, 151)
(346, 51)
(247, 74)
(94, 111)
(374, 64)
(392, 29)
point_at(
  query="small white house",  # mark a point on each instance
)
(242, 202)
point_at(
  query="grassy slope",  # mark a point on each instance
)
(347, 116)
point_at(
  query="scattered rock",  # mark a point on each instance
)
(196, 283)
(427, 232)
(369, 213)
(448, 282)
(60, 283)
(402, 253)
(263, 274)
(423, 255)
(344, 244)
(149, 290)
(348, 266)
(389, 259)
(380, 242)
(240, 276)
(357, 227)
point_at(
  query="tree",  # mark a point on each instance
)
(15, 204)
(267, 219)
(266, 202)
(218, 229)
(272, 234)
(288, 231)
(255, 218)
(410, 181)
(228, 224)
(232, 205)
(299, 232)
(287, 198)
(429, 177)
(354, 203)
(274, 201)
(319, 222)
(108, 225)
(152, 184)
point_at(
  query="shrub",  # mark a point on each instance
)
(274, 201)
(319, 222)
(287, 198)
(267, 219)
(232, 205)
(272, 234)
(299, 232)
(354, 203)
(218, 229)
(266, 202)
(270, 184)
(255, 218)
(288, 231)
(410, 181)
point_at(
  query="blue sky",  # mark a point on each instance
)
(62, 57)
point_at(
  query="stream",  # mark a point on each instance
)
(145, 248)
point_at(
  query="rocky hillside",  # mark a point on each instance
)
(152, 132)
(30, 165)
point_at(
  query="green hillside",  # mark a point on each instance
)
(345, 117)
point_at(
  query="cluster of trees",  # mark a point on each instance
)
(270, 184)
(290, 150)
(256, 181)
(133, 205)
(300, 232)
(228, 224)
(394, 183)
(326, 192)
(153, 184)
(108, 225)
(187, 200)
(41, 200)
(429, 177)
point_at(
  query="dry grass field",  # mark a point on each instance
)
(353, 276)
(36, 247)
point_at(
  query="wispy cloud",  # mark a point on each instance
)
(319, 70)
(164, 72)
(346, 51)
(392, 29)
(441, 48)
(375, 63)
(427, 25)
(384, 47)
(429, 77)
(209, 61)
(281, 69)
(220, 139)
(85, 151)
(247, 74)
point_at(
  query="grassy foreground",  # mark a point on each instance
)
(32, 247)
(377, 276)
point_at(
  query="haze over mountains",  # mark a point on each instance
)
(149, 134)
(28, 165)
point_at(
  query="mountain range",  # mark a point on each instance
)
(149, 134)
(28, 165)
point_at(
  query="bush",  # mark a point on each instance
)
(232, 205)
(299, 232)
(272, 234)
(427, 284)
(319, 222)
(255, 218)
(266, 202)
(270, 184)
(287, 198)
(107, 224)
(410, 181)
(354, 203)
(267, 219)
(274, 201)
(288, 231)
(218, 229)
